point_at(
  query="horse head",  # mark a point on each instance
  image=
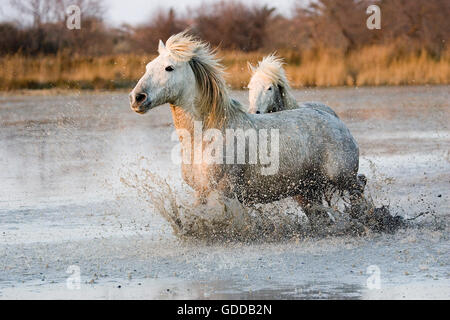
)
(167, 79)
(267, 86)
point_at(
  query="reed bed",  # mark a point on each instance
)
(369, 66)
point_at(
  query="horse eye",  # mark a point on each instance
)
(270, 88)
(169, 68)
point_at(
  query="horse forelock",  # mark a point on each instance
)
(182, 46)
(271, 68)
(213, 102)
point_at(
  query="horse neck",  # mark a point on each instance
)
(184, 116)
(182, 119)
(193, 107)
(288, 98)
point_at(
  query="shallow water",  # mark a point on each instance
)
(62, 203)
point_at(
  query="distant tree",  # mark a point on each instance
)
(233, 25)
(163, 24)
(11, 37)
(342, 23)
(44, 28)
(40, 12)
(334, 23)
(419, 23)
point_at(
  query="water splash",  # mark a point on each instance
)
(225, 219)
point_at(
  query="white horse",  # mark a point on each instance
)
(270, 90)
(316, 150)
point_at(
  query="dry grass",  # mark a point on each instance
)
(69, 72)
(369, 66)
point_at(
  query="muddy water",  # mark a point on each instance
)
(62, 203)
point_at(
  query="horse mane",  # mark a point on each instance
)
(214, 103)
(271, 67)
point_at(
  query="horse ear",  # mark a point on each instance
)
(250, 67)
(161, 47)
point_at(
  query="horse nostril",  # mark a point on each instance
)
(140, 97)
(257, 112)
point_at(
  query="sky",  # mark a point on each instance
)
(136, 11)
(139, 11)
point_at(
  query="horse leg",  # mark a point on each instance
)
(328, 195)
(313, 209)
(358, 202)
(201, 197)
(361, 182)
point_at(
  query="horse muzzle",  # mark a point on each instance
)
(140, 103)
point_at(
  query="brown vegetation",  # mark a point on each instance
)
(325, 43)
(372, 65)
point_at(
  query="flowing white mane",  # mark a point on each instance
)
(184, 47)
(304, 165)
(214, 103)
(271, 69)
